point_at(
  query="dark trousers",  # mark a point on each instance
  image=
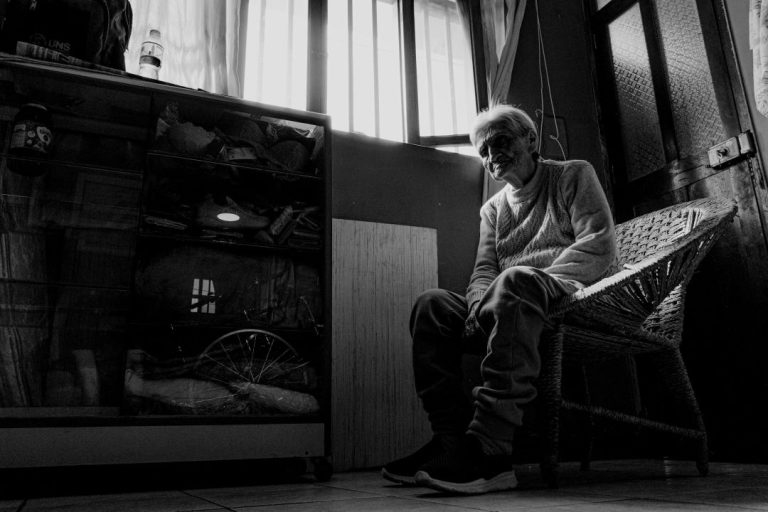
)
(511, 316)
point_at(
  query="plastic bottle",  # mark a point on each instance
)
(151, 55)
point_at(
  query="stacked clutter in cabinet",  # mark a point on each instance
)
(227, 283)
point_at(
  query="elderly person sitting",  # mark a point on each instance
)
(546, 234)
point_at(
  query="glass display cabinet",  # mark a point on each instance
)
(164, 273)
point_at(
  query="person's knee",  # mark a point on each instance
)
(431, 309)
(515, 285)
(520, 276)
(431, 297)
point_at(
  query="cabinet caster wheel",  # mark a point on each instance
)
(322, 470)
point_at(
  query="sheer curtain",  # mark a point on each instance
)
(203, 42)
(501, 21)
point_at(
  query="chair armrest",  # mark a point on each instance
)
(628, 297)
(621, 285)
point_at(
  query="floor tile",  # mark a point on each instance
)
(275, 495)
(748, 497)
(653, 487)
(515, 500)
(170, 501)
(10, 505)
(373, 483)
(373, 504)
(644, 505)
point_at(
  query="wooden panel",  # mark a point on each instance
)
(378, 271)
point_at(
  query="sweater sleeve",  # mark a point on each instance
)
(486, 263)
(593, 252)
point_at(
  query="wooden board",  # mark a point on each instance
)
(378, 271)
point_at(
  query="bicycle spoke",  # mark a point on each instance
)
(266, 358)
(244, 364)
(227, 367)
(227, 352)
(251, 350)
(272, 363)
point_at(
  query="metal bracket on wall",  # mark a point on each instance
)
(732, 151)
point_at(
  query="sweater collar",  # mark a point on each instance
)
(518, 195)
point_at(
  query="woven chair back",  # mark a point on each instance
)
(688, 228)
(645, 236)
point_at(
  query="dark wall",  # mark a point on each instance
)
(568, 55)
(381, 181)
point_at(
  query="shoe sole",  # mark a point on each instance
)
(398, 479)
(501, 482)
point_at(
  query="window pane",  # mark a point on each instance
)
(694, 104)
(372, 90)
(390, 90)
(362, 64)
(444, 69)
(276, 53)
(638, 113)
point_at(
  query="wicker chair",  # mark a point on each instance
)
(639, 310)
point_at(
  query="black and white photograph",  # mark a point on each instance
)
(383, 255)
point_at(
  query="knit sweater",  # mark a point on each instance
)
(559, 222)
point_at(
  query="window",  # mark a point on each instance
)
(373, 48)
(203, 296)
(276, 53)
(364, 78)
(445, 72)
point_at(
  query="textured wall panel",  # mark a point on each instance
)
(638, 114)
(694, 105)
(378, 270)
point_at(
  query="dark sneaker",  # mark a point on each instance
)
(403, 470)
(467, 470)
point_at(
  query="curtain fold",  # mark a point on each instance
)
(503, 75)
(501, 36)
(201, 39)
(758, 42)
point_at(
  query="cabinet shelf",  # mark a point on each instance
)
(112, 416)
(226, 166)
(66, 284)
(222, 241)
(80, 166)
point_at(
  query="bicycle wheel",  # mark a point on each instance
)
(253, 356)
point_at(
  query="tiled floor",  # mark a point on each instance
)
(608, 486)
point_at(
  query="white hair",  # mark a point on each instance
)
(502, 117)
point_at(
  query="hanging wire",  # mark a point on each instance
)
(542, 76)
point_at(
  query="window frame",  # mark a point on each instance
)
(317, 74)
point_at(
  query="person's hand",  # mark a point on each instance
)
(472, 328)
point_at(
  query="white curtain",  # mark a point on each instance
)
(758, 42)
(501, 35)
(201, 39)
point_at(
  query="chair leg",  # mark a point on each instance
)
(550, 390)
(682, 382)
(702, 463)
(586, 456)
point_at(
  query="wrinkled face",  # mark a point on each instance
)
(505, 155)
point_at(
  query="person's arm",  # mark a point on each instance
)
(594, 248)
(486, 264)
